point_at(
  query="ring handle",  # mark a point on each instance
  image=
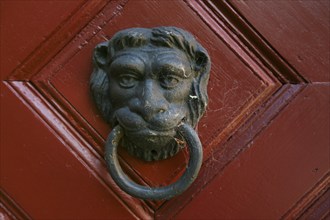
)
(158, 193)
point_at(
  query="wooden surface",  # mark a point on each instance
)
(263, 182)
(265, 134)
(298, 30)
(42, 175)
(25, 25)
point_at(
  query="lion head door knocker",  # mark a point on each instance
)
(150, 85)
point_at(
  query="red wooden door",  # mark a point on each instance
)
(265, 133)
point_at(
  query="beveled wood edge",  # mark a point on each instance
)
(261, 49)
(11, 207)
(214, 20)
(28, 70)
(232, 148)
(308, 200)
(58, 39)
(76, 145)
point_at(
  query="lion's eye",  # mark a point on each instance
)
(169, 81)
(127, 80)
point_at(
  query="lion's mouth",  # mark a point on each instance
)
(133, 123)
(145, 129)
(150, 133)
(153, 140)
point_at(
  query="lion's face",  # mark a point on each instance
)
(149, 80)
(149, 90)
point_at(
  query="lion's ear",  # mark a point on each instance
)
(202, 69)
(202, 60)
(203, 65)
(99, 82)
(101, 54)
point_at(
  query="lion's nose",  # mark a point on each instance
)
(151, 101)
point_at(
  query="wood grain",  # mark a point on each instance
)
(236, 88)
(283, 162)
(25, 25)
(298, 30)
(265, 133)
(42, 174)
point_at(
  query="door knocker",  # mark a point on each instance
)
(150, 85)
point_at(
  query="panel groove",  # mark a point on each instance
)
(56, 40)
(43, 83)
(307, 200)
(231, 40)
(85, 141)
(79, 125)
(262, 72)
(256, 42)
(76, 145)
(11, 207)
(233, 147)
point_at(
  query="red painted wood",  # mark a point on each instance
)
(298, 30)
(226, 152)
(4, 214)
(320, 209)
(10, 209)
(257, 45)
(233, 86)
(280, 165)
(25, 24)
(262, 159)
(42, 174)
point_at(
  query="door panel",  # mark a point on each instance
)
(256, 184)
(233, 86)
(42, 174)
(265, 142)
(299, 31)
(18, 18)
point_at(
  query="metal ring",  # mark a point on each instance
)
(158, 193)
